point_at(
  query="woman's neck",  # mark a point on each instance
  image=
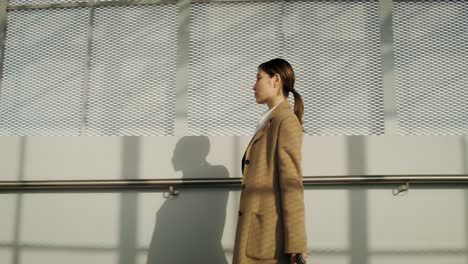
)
(275, 101)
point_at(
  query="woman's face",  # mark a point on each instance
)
(264, 87)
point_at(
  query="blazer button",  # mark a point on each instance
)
(240, 213)
(247, 162)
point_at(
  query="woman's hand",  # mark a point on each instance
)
(293, 257)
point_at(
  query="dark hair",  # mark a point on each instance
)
(286, 73)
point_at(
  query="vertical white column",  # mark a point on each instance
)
(390, 92)
(87, 71)
(3, 22)
(182, 80)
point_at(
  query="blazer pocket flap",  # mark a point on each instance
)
(261, 243)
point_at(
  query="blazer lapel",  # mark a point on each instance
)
(263, 129)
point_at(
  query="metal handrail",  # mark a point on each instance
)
(185, 183)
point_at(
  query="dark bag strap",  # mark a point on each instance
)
(300, 259)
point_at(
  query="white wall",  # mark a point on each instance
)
(78, 158)
(345, 225)
(355, 225)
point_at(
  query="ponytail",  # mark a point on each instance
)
(298, 105)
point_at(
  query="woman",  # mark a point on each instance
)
(271, 225)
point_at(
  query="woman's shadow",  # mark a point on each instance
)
(189, 228)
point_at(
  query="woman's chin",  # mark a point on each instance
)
(259, 101)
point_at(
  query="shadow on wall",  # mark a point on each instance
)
(189, 228)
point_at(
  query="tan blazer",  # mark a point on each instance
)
(271, 212)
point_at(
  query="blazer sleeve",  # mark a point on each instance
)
(289, 148)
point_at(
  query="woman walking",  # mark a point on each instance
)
(271, 225)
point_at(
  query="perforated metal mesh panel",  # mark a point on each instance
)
(47, 2)
(334, 48)
(227, 42)
(134, 57)
(131, 89)
(44, 65)
(35, 2)
(431, 71)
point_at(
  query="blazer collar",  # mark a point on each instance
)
(283, 105)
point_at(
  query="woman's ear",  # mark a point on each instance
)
(277, 79)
